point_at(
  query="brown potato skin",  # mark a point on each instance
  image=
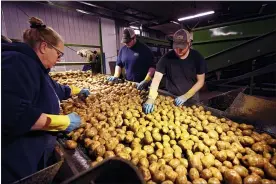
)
(232, 177)
(252, 179)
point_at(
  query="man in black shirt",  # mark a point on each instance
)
(184, 69)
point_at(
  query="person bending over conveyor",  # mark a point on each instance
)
(31, 102)
(136, 58)
(184, 69)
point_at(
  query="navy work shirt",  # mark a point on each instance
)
(181, 74)
(27, 91)
(136, 60)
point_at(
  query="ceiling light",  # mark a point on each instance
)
(89, 4)
(196, 15)
(82, 11)
(133, 27)
(174, 22)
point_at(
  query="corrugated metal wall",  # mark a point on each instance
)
(109, 41)
(74, 27)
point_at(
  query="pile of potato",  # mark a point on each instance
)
(173, 144)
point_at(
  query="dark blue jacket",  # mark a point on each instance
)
(27, 91)
(136, 60)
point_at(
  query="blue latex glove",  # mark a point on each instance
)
(112, 78)
(148, 106)
(84, 92)
(142, 85)
(180, 100)
(75, 122)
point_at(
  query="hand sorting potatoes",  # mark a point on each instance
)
(171, 145)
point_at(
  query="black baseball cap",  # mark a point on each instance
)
(128, 35)
(180, 39)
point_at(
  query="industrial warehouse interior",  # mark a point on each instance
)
(146, 92)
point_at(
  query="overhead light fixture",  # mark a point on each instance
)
(174, 22)
(82, 11)
(89, 4)
(196, 15)
(134, 27)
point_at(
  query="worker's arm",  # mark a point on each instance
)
(53, 123)
(118, 71)
(196, 87)
(118, 68)
(150, 58)
(148, 106)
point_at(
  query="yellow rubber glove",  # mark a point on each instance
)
(75, 90)
(183, 98)
(148, 106)
(63, 122)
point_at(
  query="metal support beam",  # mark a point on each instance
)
(254, 48)
(71, 63)
(252, 78)
(264, 70)
(101, 44)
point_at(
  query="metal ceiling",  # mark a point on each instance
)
(159, 14)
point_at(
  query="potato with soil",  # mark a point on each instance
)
(70, 144)
(241, 170)
(252, 179)
(193, 174)
(232, 177)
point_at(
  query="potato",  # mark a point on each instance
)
(94, 163)
(232, 177)
(193, 174)
(151, 182)
(100, 150)
(149, 149)
(257, 171)
(273, 160)
(206, 174)
(254, 161)
(230, 155)
(221, 155)
(216, 173)
(145, 173)
(199, 181)
(247, 141)
(242, 171)
(152, 158)
(143, 162)
(124, 155)
(171, 175)
(111, 144)
(217, 163)
(252, 179)
(270, 170)
(159, 176)
(181, 170)
(195, 162)
(222, 145)
(266, 181)
(181, 179)
(109, 154)
(70, 144)
(213, 181)
(157, 136)
(247, 132)
(167, 182)
(208, 160)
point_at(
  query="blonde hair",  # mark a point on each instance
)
(38, 32)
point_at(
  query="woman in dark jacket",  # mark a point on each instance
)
(31, 102)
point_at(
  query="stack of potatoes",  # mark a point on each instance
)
(173, 144)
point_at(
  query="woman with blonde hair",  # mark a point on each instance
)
(31, 102)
